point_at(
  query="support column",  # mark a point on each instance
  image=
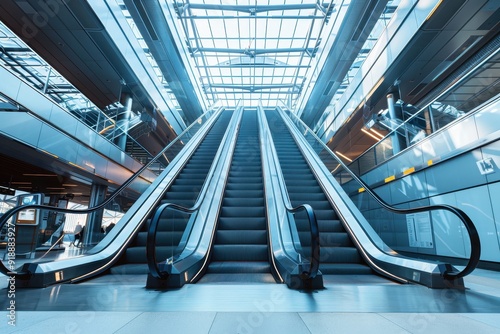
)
(92, 234)
(123, 122)
(392, 115)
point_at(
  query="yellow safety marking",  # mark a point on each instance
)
(430, 162)
(390, 178)
(73, 164)
(409, 171)
(360, 190)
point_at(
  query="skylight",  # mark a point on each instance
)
(253, 50)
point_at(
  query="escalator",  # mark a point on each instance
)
(184, 191)
(338, 255)
(240, 248)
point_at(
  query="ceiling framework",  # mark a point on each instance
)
(253, 52)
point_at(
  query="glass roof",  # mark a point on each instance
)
(253, 50)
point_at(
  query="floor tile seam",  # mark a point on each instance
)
(302, 320)
(382, 316)
(469, 318)
(129, 322)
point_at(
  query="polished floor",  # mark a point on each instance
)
(348, 304)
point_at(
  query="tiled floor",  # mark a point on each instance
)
(348, 304)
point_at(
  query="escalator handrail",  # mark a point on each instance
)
(311, 216)
(154, 269)
(315, 249)
(469, 225)
(5, 217)
(153, 225)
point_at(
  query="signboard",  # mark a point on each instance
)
(29, 216)
(419, 230)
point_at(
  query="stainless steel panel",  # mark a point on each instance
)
(63, 120)
(449, 141)
(9, 85)
(117, 173)
(494, 190)
(456, 174)
(91, 161)
(492, 151)
(34, 101)
(407, 159)
(376, 175)
(15, 125)
(102, 145)
(409, 188)
(479, 206)
(55, 142)
(487, 120)
(85, 134)
(449, 234)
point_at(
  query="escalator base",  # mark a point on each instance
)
(237, 279)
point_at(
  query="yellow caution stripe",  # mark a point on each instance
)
(390, 178)
(409, 171)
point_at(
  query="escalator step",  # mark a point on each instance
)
(241, 211)
(236, 267)
(345, 269)
(244, 193)
(233, 201)
(250, 223)
(240, 253)
(241, 236)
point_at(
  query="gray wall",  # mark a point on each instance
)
(453, 178)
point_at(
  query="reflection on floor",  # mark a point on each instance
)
(348, 304)
(57, 252)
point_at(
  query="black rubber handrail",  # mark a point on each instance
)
(315, 249)
(469, 225)
(311, 216)
(154, 270)
(3, 219)
(153, 225)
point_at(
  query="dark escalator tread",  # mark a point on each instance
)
(241, 244)
(239, 201)
(183, 191)
(234, 267)
(240, 252)
(130, 269)
(163, 238)
(345, 269)
(238, 278)
(242, 193)
(138, 254)
(250, 223)
(338, 254)
(241, 236)
(244, 212)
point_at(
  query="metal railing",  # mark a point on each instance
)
(286, 203)
(333, 162)
(151, 246)
(166, 155)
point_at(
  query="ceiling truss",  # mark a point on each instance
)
(250, 52)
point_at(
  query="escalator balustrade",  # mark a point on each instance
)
(241, 243)
(184, 191)
(338, 255)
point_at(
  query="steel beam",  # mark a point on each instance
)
(251, 9)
